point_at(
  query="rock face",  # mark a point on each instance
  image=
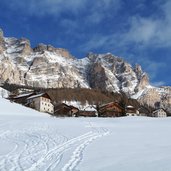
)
(157, 98)
(41, 48)
(2, 43)
(111, 73)
(47, 66)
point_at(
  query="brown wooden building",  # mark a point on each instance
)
(112, 109)
(85, 113)
(65, 110)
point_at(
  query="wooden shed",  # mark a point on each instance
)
(65, 110)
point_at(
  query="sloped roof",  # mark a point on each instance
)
(159, 110)
(38, 95)
(130, 107)
(23, 95)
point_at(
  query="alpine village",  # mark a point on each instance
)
(60, 105)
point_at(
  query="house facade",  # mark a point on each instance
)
(86, 113)
(65, 110)
(159, 113)
(41, 102)
(112, 109)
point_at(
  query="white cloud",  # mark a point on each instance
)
(151, 31)
(56, 7)
(43, 7)
(141, 32)
(96, 41)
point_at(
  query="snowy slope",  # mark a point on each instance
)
(13, 109)
(33, 141)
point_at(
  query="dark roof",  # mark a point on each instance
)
(158, 110)
(143, 110)
(25, 95)
(66, 106)
(111, 103)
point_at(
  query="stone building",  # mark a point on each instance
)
(41, 102)
(159, 113)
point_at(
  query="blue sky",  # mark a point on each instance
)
(137, 30)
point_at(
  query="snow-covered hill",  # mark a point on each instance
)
(30, 140)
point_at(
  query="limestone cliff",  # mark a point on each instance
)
(47, 66)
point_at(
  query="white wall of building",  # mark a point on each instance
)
(42, 104)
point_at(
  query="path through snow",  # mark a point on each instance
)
(42, 148)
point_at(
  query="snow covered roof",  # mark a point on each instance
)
(23, 95)
(35, 96)
(4, 93)
(159, 110)
(129, 106)
(103, 105)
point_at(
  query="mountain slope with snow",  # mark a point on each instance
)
(46, 66)
(49, 67)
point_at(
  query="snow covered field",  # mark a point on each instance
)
(33, 141)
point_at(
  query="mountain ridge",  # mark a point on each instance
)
(49, 67)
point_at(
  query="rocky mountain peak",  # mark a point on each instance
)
(108, 57)
(41, 48)
(138, 68)
(2, 44)
(26, 47)
(138, 71)
(56, 67)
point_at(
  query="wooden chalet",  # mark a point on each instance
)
(65, 110)
(112, 109)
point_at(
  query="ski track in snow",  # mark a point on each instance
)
(44, 149)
